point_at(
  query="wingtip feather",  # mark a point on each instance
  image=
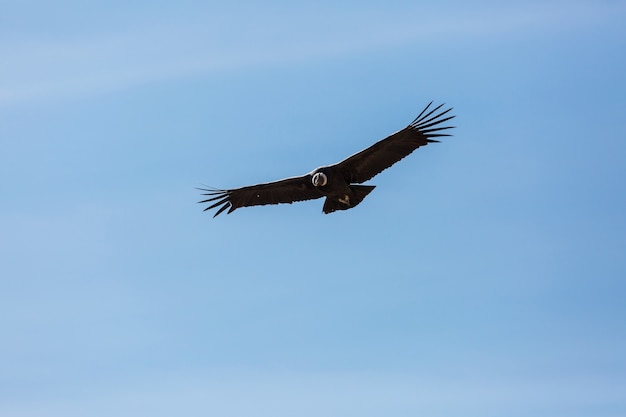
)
(425, 121)
(224, 207)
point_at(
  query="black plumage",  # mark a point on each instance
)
(338, 182)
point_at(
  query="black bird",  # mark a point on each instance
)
(338, 182)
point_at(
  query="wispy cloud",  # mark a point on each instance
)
(56, 68)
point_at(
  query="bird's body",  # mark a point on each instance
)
(338, 182)
(340, 194)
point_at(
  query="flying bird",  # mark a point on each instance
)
(338, 182)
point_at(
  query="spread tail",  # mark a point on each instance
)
(347, 201)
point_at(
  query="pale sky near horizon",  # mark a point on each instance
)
(484, 276)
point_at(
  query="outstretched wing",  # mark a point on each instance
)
(364, 165)
(283, 191)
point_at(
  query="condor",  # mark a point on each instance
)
(338, 182)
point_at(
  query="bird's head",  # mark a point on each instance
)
(319, 179)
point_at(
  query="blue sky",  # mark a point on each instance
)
(485, 276)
